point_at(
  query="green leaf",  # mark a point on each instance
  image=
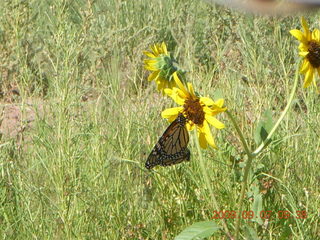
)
(264, 127)
(198, 230)
(286, 232)
(250, 233)
(257, 208)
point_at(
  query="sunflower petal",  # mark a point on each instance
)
(153, 75)
(219, 102)
(308, 78)
(151, 64)
(164, 48)
(175, 94)
(305, 27)
(149, 54)
(213, 110)
(190, 126)
(303, 47)
(305, 66)
(316, 35)
(207, 101)
(298, 35)
(154, 48)
(303, 53)
(161, 84)
(179, 83)
(191, 90)
(171, 112)
(208, 135)
(202, 139)
(168, 91)
(214, 122)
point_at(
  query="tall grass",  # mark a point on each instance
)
(78, 172)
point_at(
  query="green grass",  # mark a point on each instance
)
(78, 172)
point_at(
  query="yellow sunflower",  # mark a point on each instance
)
(309, 50)
(199, 111)
(162, 66)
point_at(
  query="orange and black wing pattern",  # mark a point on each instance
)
(172, 145)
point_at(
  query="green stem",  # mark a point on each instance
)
(246, 171)
(267, 141)
(206, 178)
(243, 141)
(243, 190)
(252, 155)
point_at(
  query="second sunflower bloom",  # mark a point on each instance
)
(309, 49)
(200, 111)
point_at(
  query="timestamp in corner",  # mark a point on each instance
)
(268, 214)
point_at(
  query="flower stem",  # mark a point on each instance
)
(243, 141)
(252, 155)
(267, 141)
(246, 171)
(206, 178)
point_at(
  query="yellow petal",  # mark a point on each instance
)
(175, 94)
(171, 113)
(181, 94)
(298, 35)
(150, 61)
(303, 53)
(207, 101)
(207, 133)
(151, 68)
(179, 83)
(149, 54)
(190, 126)
(214, 122)
(169, 84)
(308, 78)
(316, 35)
(164, 48)
(305, 27)
(151, 64)
(208, 111)
(210, 140)
(153, 75)
(155, 50)
(213, 110)
(303, 47)
(202, 139)
(219, 102)
(161, 84)
(305, 66)
(168, 91)
(191, 90)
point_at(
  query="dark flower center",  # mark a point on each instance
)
(314, 54)
(194, 110)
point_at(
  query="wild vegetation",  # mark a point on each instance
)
(79, 119)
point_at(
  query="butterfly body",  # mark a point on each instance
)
(172, 145)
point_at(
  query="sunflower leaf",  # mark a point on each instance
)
(250, 233)
(199, 230)
(257, 208)
(264, 127)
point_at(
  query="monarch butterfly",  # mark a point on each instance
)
(172, 145)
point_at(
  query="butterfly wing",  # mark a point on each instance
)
(183, 155)
(172, 145)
